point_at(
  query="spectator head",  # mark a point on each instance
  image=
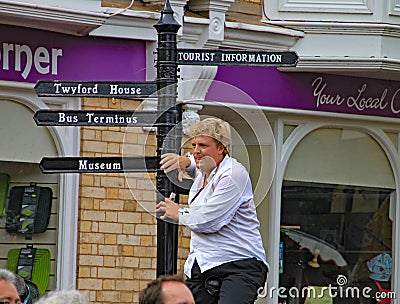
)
(8, 290)
(166, 290)
(63, 297)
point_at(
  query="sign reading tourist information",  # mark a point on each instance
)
(236, 57)
(99, 164)
(95, 89)
(97, 118)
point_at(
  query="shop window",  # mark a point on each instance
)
(349, 225)
(45, 265)
(24, 144)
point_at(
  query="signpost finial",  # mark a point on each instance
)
(167, 21)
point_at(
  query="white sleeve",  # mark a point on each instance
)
(191, 170)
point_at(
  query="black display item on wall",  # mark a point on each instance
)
(28, 211)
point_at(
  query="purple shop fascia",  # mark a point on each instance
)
(267, 86)
(29, 55)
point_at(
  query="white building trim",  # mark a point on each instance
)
(74, 20)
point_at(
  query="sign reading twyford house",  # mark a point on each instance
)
(95, 89)
(236, 57)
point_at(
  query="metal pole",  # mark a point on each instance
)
(168, 136)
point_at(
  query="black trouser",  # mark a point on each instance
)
(238, 282)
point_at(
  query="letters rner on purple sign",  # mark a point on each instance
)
(42, 59)
(29, 55)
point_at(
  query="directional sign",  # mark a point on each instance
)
(236, 57)
(97, 118)
(58, 88)
(99, 164)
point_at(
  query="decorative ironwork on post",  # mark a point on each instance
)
(169, 135)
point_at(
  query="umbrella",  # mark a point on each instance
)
(310, 242)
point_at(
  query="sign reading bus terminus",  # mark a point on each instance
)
(97, 118)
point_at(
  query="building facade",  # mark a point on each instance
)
(320, 140)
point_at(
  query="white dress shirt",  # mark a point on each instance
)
(222, 217)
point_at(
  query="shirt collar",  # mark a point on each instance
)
(220, 166)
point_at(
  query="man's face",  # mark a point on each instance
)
(203, 145)
(175, 292)
(8, 293)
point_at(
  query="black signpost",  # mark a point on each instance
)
(168, 138)
(167, 118)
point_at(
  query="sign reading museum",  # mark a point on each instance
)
(98, 164)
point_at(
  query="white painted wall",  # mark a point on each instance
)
(86, 5)
(334, 10)
(25, 143)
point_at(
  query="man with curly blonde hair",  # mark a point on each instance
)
(226, 262)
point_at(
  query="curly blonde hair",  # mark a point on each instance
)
(216, 128)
